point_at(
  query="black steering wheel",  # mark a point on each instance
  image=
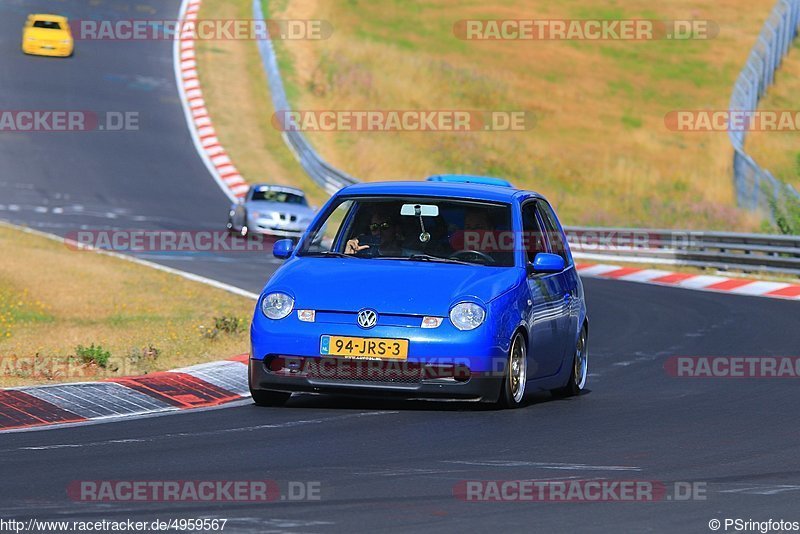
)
(466, 255)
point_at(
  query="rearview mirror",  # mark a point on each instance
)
(547, 263)
(420, 210)
(283, 248)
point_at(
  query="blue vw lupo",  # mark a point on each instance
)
(453, 288)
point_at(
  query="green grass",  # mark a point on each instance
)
(91, 312)
(599, 150)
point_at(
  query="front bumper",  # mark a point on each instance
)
(276, 232)
(479, 355)
(275, 228)
(483, 387)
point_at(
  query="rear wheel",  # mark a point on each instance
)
(269, 398)
(580, 368)
(516, 375)
(241, 232)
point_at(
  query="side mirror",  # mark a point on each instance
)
(283, 248)
(547, 263)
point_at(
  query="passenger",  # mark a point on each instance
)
(383, 238)
(476, 219)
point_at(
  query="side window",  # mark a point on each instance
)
(556, 238)
(326, 236)
(533, 239)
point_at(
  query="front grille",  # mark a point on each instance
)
(384, 319)
(352, 370)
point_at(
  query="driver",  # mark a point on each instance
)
(473, 240)
(476, 221)
(383, 238)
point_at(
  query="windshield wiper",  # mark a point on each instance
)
(428, 257)
(330, 254)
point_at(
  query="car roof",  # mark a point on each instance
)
(47, 17)
(283, 188)
(471, 191)
(469, 179)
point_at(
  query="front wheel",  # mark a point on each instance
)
(269, 398)
(580, 368)
(515, 376)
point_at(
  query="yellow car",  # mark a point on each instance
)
(47, 35)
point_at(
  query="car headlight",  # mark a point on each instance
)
(277, 305)
(467, 316)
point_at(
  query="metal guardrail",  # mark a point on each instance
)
(718, 250)
(328, 177)
(757, 188)
(727, 251)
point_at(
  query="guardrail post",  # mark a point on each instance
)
(756, 76)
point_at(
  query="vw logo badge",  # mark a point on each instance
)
(367, 318)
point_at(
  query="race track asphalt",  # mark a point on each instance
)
(147, 179)
(381, 465)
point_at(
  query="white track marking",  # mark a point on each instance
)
(177, 54)
(183, 274)
(544, 465)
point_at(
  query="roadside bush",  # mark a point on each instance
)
(93, 354)
(225, 324)
(143, 359)
(787, 215)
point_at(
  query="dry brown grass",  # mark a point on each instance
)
(237, 95)
(599, 148)
(780, 151)
(53, 299)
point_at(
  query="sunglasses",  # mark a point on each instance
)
(380, 226)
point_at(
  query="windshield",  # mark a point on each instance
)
(413, 229)
(284, 197)
(46, 25)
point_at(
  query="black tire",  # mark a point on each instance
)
(269, 398)
(515, 374)
(244, 230)
(580, 359)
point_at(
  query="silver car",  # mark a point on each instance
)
(272, 210)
